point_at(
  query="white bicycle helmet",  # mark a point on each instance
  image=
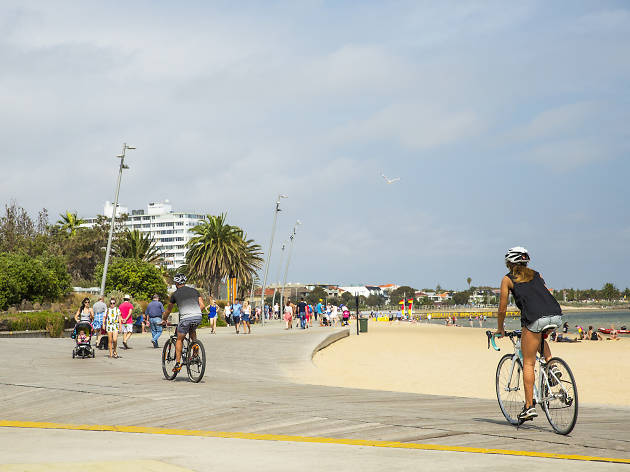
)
(517, 255)
(179, 279)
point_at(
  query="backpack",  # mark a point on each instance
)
(103, 343)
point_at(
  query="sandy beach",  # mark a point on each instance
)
(441, 360)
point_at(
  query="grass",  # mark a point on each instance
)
(52, 322)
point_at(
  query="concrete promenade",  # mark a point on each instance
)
(247, 389)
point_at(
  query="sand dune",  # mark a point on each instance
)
(442, 360)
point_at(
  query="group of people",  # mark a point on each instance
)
(239, 314)
(106, 321)
(591, 335)
(305, 314)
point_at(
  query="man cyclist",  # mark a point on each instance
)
(190, 306)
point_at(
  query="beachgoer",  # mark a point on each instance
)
(99, 309)
(538, 309)
(112, 326)
(565, 327)
(190, 306)
(126, 315)
(319, 309)
(334, 315)
(237, 309)
(288, 315)
(302, 313)
(84, 314)
(593, 335)
(212, 316)
(82, 337)
(580, 331)
(614, 335)
(228, 314)
(154, 313)
(245, 318)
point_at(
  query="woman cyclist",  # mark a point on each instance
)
(538, 309)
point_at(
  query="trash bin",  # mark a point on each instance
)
(363, 325)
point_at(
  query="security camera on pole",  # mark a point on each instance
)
(111, 225)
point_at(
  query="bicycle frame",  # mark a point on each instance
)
(541, 381)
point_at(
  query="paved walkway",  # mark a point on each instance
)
(246, 389)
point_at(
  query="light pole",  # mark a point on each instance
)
(273, 300)
(111, 226)
(286, 269)
(273, 232)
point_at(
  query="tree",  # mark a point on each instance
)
(219, 250)
(610, 292)
(137, 245)
(375, 300)
(461, 298)
(469, 280)
(140, 279)
(401, 292)
(23, 277)
(83, 252)
(347, 298)
(69, 222)
(317, 294)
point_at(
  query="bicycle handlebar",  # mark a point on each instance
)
(491, 338)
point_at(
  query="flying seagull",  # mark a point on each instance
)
(390, 181)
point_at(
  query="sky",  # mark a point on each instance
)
(507, 123)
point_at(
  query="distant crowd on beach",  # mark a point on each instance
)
(591, 334)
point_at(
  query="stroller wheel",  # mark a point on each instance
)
(93, 354)
(73, 354)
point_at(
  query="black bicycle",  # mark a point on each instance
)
(193, 357)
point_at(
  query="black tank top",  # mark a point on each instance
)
(534, 300)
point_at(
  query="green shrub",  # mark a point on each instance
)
(140, 279)
(52, 322)
(35, 279)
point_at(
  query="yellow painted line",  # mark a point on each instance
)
(303, 439)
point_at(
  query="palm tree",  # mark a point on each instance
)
(137, 245)
(468, 280)
(220, 250)
(70, 222)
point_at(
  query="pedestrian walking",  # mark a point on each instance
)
(112, 326)
(126, 316)
(246, 317)
(154, 312)
(212, 315)
(84, 314)
(288, 315)
(302, 313)
(99, 309)
(237, 308)
(228, 314)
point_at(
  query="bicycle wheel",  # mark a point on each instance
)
(560, 399)
(509, 387)
(196, 364)
(168, 360)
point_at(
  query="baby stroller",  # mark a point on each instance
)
(83, 347)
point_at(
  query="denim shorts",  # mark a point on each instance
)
(538, 325)
(187, 324)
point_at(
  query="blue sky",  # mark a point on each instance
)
(507, 123)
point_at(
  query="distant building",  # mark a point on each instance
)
(171, 230)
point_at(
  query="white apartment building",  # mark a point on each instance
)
(171, 230)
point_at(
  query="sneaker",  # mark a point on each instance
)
(154, 343)
(177, 368)
(527, 414)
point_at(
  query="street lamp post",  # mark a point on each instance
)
(286, 269)
(111, 225)
(273, 300)
(273, 232)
